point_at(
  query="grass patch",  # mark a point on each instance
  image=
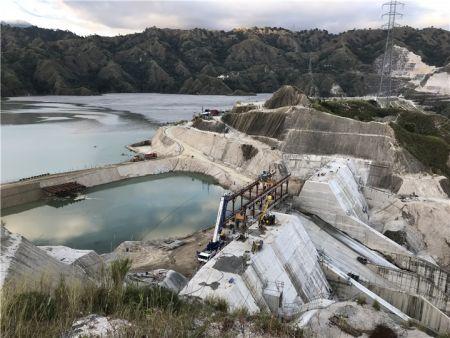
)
(360, 110)
(45, 313)
(270, 325)
(152, 311)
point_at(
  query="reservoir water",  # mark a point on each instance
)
(48, 134)
(51, 134)
(153, 207)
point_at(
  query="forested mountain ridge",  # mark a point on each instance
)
(200, 61)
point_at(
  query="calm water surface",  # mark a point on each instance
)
(58, 133)
(51, 134)
(144, 208)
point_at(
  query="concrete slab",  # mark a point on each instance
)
(286, 267)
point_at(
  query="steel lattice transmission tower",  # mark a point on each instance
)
(313, 90)
(390, 11)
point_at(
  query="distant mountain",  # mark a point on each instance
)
(200, 61)
(17, 23)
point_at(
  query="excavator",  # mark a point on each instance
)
(266, 218)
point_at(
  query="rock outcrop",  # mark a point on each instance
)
(87, 260)
(347, 319)
(287, 96)
(95, 325)
(24, 265)
(168, 279)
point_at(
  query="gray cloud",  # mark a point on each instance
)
(331, 15)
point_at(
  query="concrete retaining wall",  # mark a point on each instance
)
(416, 307)
(432, 272)
(14, 194)
(413, 283)
(22, 193)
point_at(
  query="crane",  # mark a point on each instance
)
(213, 246)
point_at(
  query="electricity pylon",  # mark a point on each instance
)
(313, 90)
(390, 10)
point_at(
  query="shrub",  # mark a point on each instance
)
(218, 304)
(268, 323)
(248, 151)
(376, 305)
(432, 151)
(360, 110)
(382, 331)
(361, 300)
(271, 325)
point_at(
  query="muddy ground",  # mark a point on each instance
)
(177, 254)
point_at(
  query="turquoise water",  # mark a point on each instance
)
(48, 134)
(39, 138)
(152, 207)
(51, 134)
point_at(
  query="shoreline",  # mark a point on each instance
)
(181, 149)
(172, 253)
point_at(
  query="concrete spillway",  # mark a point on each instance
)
(281, 277)
(333, 194)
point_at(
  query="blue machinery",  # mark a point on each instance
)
(246, 202)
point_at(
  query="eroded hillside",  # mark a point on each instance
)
(200, 61)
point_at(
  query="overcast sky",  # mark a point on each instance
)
(123, 17)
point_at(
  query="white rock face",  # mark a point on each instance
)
(168, 279)
(88, 260)
(422, 185)
(24, 265)
(424, 218)
(321, 323)
(97, 326)
(409, 65)
(438, 82)
(336, 90)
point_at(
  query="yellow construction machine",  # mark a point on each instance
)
(266, 218)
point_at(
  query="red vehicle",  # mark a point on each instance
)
(214, 112)
(150, 156)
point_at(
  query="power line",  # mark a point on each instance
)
(390, 11)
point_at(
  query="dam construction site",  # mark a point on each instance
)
(333, 224)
